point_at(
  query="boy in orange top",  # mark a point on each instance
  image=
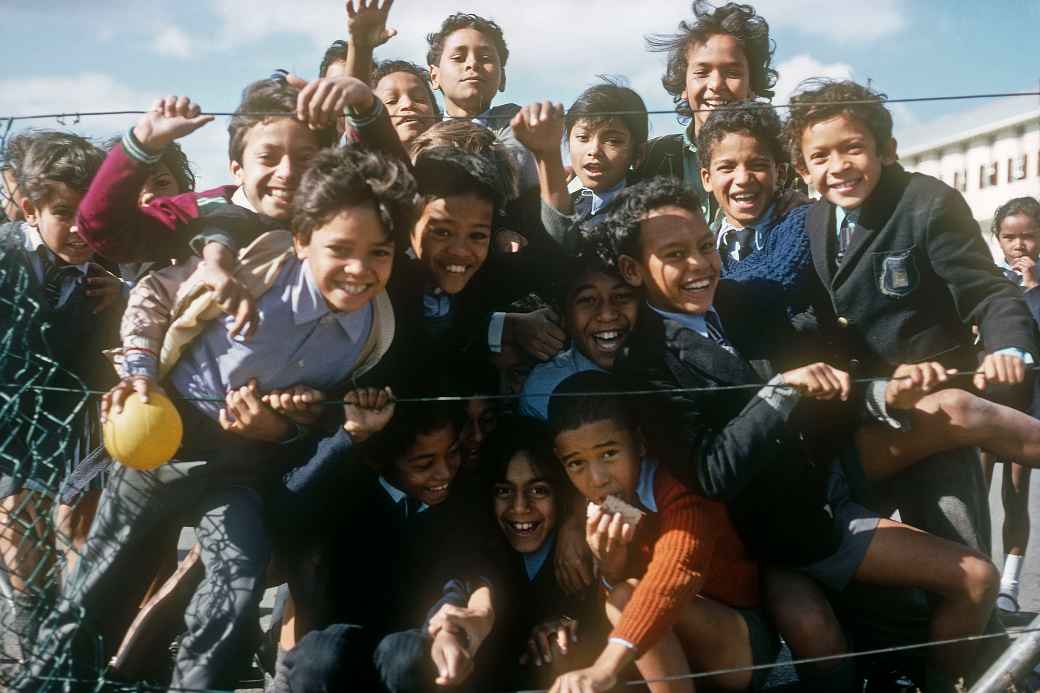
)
(682, 590)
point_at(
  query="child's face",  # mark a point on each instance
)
(742, 177)
(602, 459)
(428, 467)
(469, 73)
(717, 73)
(601, 311)
(350, 258)
(160, 183)
(600, 154)
(678, 263)
(843, 160)
(525, 505)
(452, 238)
(481, 418)
(1018, 236)
(55, 220)
(407, 100)
(275, 156)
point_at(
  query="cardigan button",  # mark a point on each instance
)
(843, 321)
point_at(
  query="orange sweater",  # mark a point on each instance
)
(687, 547)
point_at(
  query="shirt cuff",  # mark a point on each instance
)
(495, 328)
(779, 396)
(140, 362)
(622, 641)
(877, 408)
(135, 151)
(201, 240)
(1015, 351)
(361, 121)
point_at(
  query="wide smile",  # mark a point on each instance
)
(845, 186)
(354, 289)
(456, 269)
(608, 340)
(523, 529)
(436, 493)
(281, 195)
(745, 201)
(698, 287)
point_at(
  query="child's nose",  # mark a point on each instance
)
(353, 266)
(520, 503)
(715, 80)
(607, 311)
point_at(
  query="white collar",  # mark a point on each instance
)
(240, 199)
(33, 241)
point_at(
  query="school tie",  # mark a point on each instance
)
(409, 507)
(739, 243)
(55, 274)
(845, 233)
(716, 333)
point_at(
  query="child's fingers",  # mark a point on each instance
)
(572, 627)
(303, 99)
(544, 648)
(170, 106)
(627, 533)
(351, 12)
(141, 387)
(562, 637)
(614, 528)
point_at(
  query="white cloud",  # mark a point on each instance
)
(839, 22)
(172, 42)
(801, 67)
(207, 149)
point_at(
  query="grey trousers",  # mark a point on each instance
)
(235, 554)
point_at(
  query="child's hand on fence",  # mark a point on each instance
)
(539, 126)
(819, 381)
(366, 24)
(912, 381)
(245, 414)
(113, 400)
(169, 119)
(299, 403)
(1001, 369)
(323, 101)
(368, 410)
(553, 635)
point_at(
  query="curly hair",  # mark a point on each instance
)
(389, 67)
(462, 20)
(272, 95)
(620, 230)
(350, 177)
(572, 409)
(51, 157)
(763, 124)
(520, 434)
(610, 96)
(474, 139)
(737, 20)
(819, 99)
(449, 171)
(1028, 206)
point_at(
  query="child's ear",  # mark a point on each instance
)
(502, 82)
(237, 172)
(637, 158)
(435, 78)
(302, 250)
(415, 237)
(706, 180)
(630, 270)
(888, 152)
(28, 211)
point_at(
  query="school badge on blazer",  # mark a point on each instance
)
(897, 273)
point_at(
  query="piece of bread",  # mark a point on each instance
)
(612, 504)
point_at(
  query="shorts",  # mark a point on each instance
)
(765, 645)
(855, 526)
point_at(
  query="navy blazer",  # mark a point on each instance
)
(916, 277)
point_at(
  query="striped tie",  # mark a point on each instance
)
(55, 274)
(716, 333)
(848, 229)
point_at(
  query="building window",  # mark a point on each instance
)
(1017, 168)
(982, 176)
(994, 173)
(956, 180)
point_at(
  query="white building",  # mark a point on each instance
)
(990, 153)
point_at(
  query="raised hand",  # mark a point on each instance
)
(169, 119)
(366, 24)
(368, 410)
(322, 101)
(539, 126)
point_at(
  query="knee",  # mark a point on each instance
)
(321, 661)
(962, 408)
(402, 661)
(981, 579)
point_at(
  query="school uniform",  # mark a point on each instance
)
(546, 377)
(589, 206)
(676, 156)
(373, 540)
(904, 276)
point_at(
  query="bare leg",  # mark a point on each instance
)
(707, 636)
(947, 420)
(809, 626)
(72, 523)
(988, 465)
(25, 540)
(964, 580)
(1015, 492)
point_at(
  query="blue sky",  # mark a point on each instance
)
(66, 55)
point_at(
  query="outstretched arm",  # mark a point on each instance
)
(366, 29)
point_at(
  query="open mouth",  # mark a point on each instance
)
(524, 529)
(845, 186)
(608, 340)
(714, 102)
(745, 201)
(456, 269)
(436, 493)
(354, 289)
(696, 286)
(281, 195)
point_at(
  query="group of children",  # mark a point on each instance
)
(492, 421)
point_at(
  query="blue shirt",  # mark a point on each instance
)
(693, 321)
(546, 377)
(760, 225)
(299, 341)
(397, 495)
(591, 203)
(534, 561)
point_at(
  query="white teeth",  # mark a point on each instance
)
(745, 197)
(455, 269)
(700, 284)
(608, 335)
(522, 526)
(438, 489)
(355, 289)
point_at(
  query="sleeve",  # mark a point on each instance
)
(561, 227)
(677, 571)
(982, 295)
(115, 226)
(147, 317)
(376, 132)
